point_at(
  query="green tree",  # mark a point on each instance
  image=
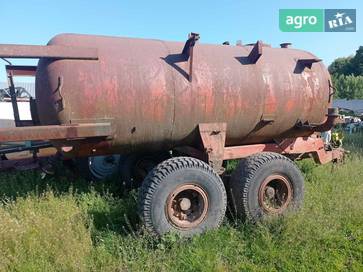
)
(349, 87)
(347, 75)
(357, 62)
(341, 66)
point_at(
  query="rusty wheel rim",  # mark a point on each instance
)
(187, 206)
(275, 194)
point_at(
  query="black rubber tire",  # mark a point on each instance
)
(164, 179)
(249, 175)
(83, 168)
(131, 177)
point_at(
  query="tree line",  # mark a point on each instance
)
(347, 76)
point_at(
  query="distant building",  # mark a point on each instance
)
(355, 105)
(6, 109)
(29, 86)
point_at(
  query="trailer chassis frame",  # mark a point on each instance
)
(214, 151)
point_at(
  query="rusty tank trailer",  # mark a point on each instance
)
(155, 100)
(180, 110)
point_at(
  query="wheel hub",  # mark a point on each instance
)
(275, 194)
(187, 206)
(270, 192)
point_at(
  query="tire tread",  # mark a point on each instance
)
(158, 175)
(244, 174)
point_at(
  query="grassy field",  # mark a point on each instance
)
(65, 224)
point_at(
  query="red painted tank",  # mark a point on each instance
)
(142, 87)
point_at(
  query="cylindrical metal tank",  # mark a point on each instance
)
(142, 87)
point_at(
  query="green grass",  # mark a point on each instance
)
(65, 224)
